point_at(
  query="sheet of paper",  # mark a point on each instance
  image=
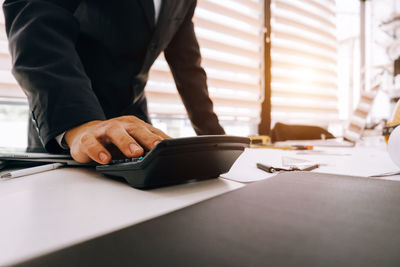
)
(319, 142)
(245, 170)
(394, 146)
(355, 161)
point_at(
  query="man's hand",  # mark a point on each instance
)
(128, 133)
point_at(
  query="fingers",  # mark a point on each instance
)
(88, 141)
(90, 147)
(144, 136)
(125, 143)
(132, 120)
(159, 132)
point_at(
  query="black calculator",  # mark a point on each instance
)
(179, 160)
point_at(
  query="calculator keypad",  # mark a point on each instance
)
(119, 161)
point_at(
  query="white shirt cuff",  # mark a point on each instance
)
(61, 142)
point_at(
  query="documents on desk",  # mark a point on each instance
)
(245, 168)
(361, 160)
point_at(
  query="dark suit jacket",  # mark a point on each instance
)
(84, 60)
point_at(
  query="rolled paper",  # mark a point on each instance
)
(394, 146)
(396, 114)
(395, 119)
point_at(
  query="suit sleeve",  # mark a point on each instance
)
(184, 58)
(42, 36)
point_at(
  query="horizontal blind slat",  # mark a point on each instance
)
(253, 4)
(155, 87)
(171, 97)
(165, 77)
(304, 39)
(320, 69)
(293, 52)
(288, 78)
(229, 30)
(327, 5)
(287, 20)
(227, 11)
(304, 90)
(305, 9)
(229, 48)
(232, 80)
(302, 108)
(222, 64)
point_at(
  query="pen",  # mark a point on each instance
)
(271, 169)
(295, 147)
(33, 170)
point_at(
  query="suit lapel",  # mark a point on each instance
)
(167, 7)
(148, 8)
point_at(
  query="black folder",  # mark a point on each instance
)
(292, 219)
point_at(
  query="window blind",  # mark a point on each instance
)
(230, 37)
(229, 33)
(304, 82)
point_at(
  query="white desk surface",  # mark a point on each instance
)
(51, 210)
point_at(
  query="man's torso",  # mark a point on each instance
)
(119, 42)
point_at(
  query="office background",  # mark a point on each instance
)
(291, 61)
